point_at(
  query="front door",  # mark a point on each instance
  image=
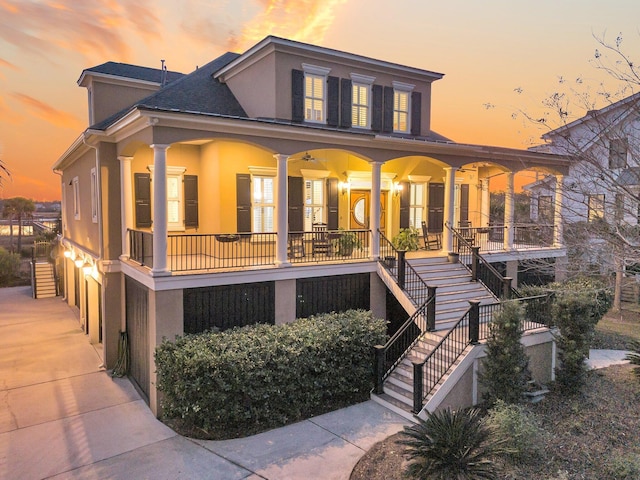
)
(359, 210)
(435, 220)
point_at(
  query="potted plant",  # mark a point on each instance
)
(347, 241)
(407, 239)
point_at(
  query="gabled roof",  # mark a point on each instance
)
(135, 72)
(197, 92)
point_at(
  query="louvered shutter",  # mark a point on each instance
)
(333, 101)
(296, 204)
(405, 204)
(191, 201)
(345, 103)
(332, 203)
(387, 112)
(243, 202)
(142, 186)
(376, 108)
(297, 95)
(416, 110)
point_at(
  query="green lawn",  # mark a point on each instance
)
(618, 329)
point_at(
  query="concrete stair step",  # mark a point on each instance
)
(394, 405)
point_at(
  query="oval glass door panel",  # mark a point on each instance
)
(359, 211)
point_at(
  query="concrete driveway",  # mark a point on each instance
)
(62, 416)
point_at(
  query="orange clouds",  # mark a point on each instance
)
(91, 28)
(304, 20)
(48, 113)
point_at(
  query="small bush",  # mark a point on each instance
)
(258, 377)
(515, 423)
(506, 372)
(451, 445)
(9, 267)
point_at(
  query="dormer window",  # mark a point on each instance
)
(315, 93)
(402, 107)
(361, 100)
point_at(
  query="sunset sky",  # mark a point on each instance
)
(498, 56)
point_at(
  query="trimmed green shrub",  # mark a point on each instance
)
(520, 427)
(258, 377)
(505, 369)
(9, 267)
(634, 357)
(452, 445)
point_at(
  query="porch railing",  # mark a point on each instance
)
(141, 247)
(390, 354)
(491, 238)
(331, 245)
(473, 327)
(403, 273)
(481, 270)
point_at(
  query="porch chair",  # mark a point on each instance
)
(296, 245)
(320, 239)
(466, 231)
(431, 240)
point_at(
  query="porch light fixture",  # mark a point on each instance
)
(344, 187)
(397, 189)
(67, 253)
(86, 268)
(79, 262)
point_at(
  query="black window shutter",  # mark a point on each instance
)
(405, 204)
(416, 110)
(296, 204)
(346, 103)
(297, 95)
(387, 112)
(332, 203)
(333, 100)
(191, 201)
(376, 108)
(243, 202)
(464, 202)
(142, 187)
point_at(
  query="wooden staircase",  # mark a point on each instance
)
(43, 282)
(454, 290)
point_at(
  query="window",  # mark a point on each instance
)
(360, 108)
(175, 197)
(619, 214)
(416, 207)
(596, 207)
(401, 106)
(314, 94)
(313, 203)
(263, 204)
(94, 195)
(545, 209)
(76, 198)
(618, 153)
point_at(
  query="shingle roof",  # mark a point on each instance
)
(196, 92)
(134, 71)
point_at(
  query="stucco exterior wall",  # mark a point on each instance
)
(109, 98)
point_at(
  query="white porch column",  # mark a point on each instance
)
(449, 199)
(509, 213)
(376, 168)
(281, 210)
(160, 230)
(126, 202)
(558, 225)
(485, 202)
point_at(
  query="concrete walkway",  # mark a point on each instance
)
(63, 417)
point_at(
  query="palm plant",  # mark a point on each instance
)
(452, 445)
(634, 357)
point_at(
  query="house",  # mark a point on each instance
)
(231, 195)
(602, 187)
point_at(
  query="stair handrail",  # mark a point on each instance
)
(437, 368)
(406, 277)
(481, 270)
(389, 355)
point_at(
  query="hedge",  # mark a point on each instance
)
(258, 377)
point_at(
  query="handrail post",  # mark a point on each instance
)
(378, 368)
(474, 322)
(401, 268)
(475, 262)
(506, 287)
(417, 387)
(431, 309)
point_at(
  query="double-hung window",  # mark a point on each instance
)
(402, 107)
(416, 204)
(175, 197)
(618, 148)
(545, 208)
(313, 203)
(263, 204)
(94, 195)
(315, 93)
(595, 207)
(76, 198)
(361, 100)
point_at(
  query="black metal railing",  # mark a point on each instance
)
(533, 234)
(389, 355)
(402, 272)
(331, 245)
(473, 327)
(491, 238)
(42, 251)
(141, 247)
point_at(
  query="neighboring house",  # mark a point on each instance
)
(231, 195)
(603, 182)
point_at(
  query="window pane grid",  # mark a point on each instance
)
(400, 111)
(314, 98)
